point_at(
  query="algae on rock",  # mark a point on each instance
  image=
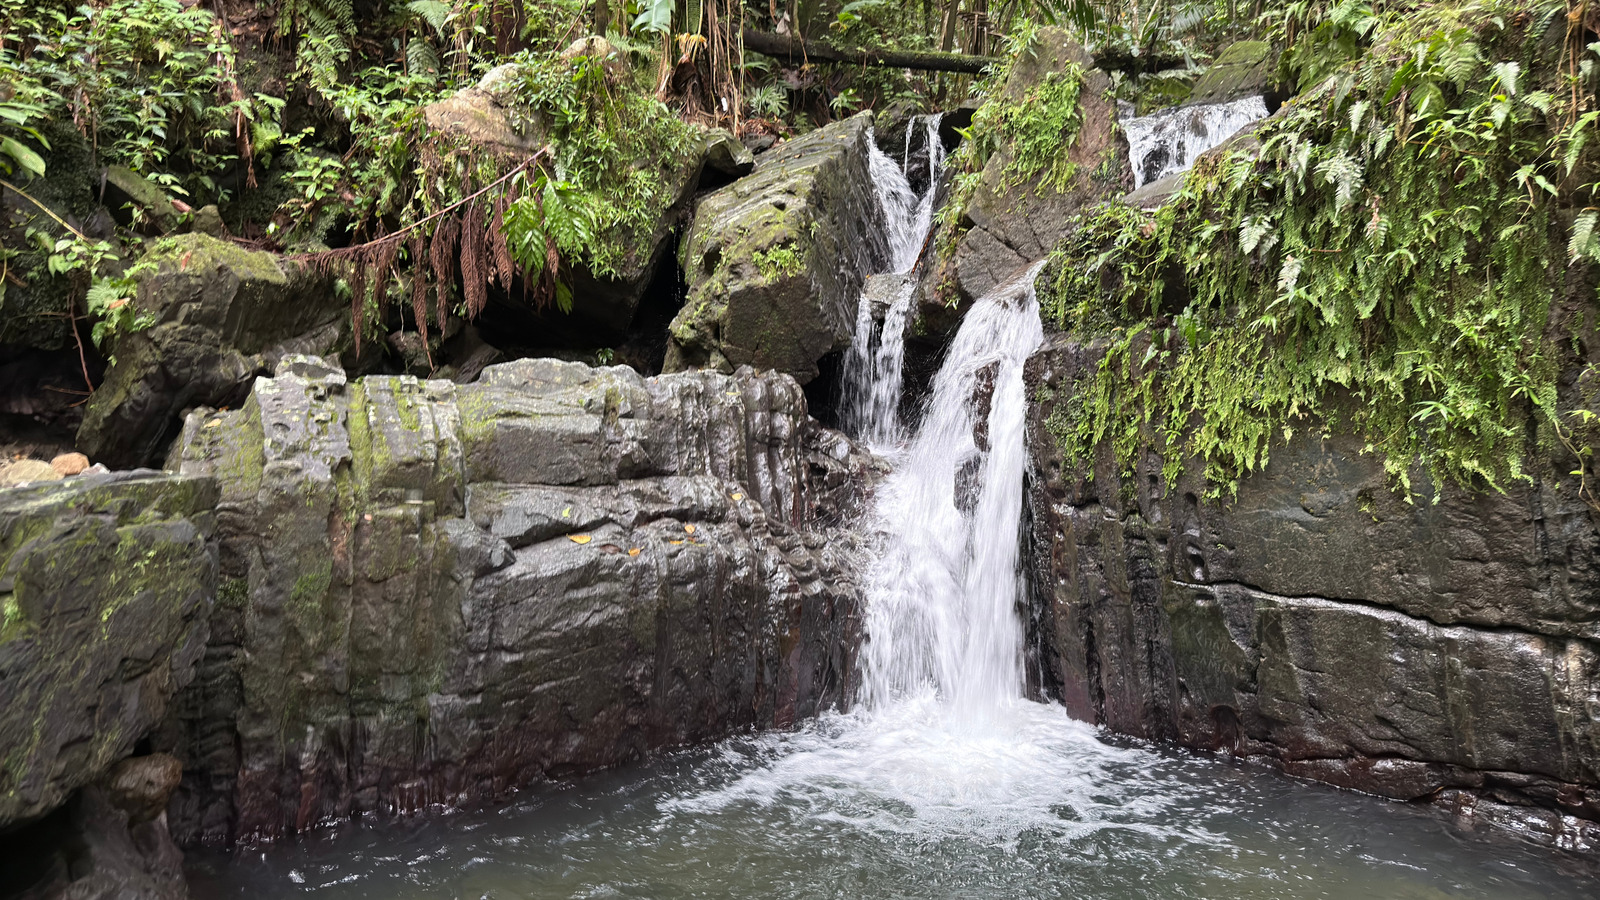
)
(776, 260)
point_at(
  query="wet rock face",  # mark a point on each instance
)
(91, 849)
(1244, 69)
(1013, 226)
(105, 589)
(433, 593)
(775, 261)
(1318, 621)
(222, 315)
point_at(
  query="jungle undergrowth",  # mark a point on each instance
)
(1389, 275)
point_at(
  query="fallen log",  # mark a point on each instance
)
(789, 49)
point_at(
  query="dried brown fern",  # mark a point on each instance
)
(503, 264)
(419, 293)
(475, 263)
(442, 262)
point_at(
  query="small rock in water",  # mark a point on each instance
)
(26, 471)
(140, 786)
(70, 464)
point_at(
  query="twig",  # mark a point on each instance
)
(42, 208)
(72, 315)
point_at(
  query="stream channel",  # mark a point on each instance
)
(943, 781)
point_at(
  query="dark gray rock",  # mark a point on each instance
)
(105, 587)
(91, 850)
(223, 315)
(434, 593)
(725, 155)
(775, 261)
(1320, 622)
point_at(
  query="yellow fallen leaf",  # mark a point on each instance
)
(737, 497)
(213, 423)
(689, 528)
(633, 551)
(580, 538)
(566, 513)
(674, 543)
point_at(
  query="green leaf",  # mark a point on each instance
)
(655, 17)
(24, 156)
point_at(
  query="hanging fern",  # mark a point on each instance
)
(1391, 276)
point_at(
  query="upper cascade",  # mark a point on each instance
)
(874, 366)
(1168, 141)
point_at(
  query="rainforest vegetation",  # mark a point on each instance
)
(1387, 259)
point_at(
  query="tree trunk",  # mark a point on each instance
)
(947, 32)
(791, 50)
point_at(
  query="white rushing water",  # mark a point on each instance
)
(1167, 142)
(874, 366)
(943, 743)
(942, 597)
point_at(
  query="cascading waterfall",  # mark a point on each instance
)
(874, 367)
(943, 595)
(1166, 142)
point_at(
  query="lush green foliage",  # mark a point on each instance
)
(616, 149)
(1388, 265)
(150, 82)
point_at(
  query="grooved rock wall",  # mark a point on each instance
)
(432, 594)
(1444, 651)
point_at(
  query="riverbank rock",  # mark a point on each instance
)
(434, 593)
(26, 471)
(105, 587)
(1009, 226)
(775, 261)
(1322, 624)
(1244, 69)
(221, 315)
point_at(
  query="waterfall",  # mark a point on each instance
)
(874, 366)
(1169, 141)
(943, 596)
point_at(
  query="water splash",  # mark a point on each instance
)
(874, 367)
(1167, 142)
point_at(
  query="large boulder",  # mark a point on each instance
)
(1438, 650)
(222, 315)
(1009, 226)
(105, 587)
(775, 261)
(435, 593)
(1244, 69)
(487, 119)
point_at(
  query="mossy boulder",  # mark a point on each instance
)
(1010, 223)
(1245, 69)
(775, 261)
(496, 128)
(223, 315)
(582, 558)
(105, 587)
